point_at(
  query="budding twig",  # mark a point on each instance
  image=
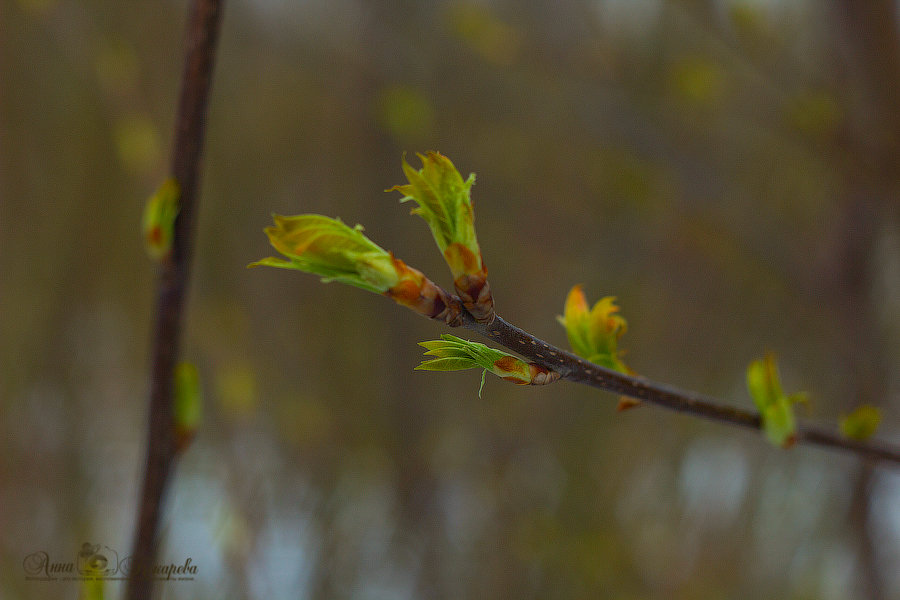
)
(326, 247)
(577, 370)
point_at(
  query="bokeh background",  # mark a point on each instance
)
(727, 169)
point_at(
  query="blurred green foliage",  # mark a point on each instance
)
(861, 423)
(405, 113)
(776, 409)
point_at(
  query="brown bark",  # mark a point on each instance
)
(162, 449)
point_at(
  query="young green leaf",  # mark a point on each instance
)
(455, 354)
(594, 333)
(188, 403)
(444, 202)
(861, 423)
(327, 247)
(775, 408)
(158, 222)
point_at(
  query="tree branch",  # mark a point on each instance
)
(578, 370)
(201, 37)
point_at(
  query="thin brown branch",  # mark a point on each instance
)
(201, 37)
(578, 370)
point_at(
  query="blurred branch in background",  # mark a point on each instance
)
(162, 446)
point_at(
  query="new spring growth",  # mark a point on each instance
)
(444, 203)
(594, 334)
(327, 247)
(188, 404)
(455, 354)
(775, 407)
(861, 423)
(158, 222)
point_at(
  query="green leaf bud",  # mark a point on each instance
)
(188, 403)
(862, 423)
(158, 221)
(455, 354)
(594, 333)
(330, 249)
(775, 408)
(444, 202)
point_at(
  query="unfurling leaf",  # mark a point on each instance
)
(188, 403)
(158, 222)
(444, 202)
(327, 247)
(455, 354)
(775, 408)
(594, 334)
(861, 423)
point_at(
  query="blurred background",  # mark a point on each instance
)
(727, 169)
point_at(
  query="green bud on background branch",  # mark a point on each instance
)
(187, 409)
(158, 222)
(775, 407)
(862, 423)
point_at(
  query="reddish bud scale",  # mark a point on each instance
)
(541, 375)
(626, 403)
(461, 259)
(183, 438)
(538, 375)
(510, 364)
(417, 292)
(155, 236)
(472, 286)
(475, 293)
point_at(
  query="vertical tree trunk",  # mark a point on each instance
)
(201, 38)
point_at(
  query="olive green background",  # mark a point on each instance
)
(725, 169)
